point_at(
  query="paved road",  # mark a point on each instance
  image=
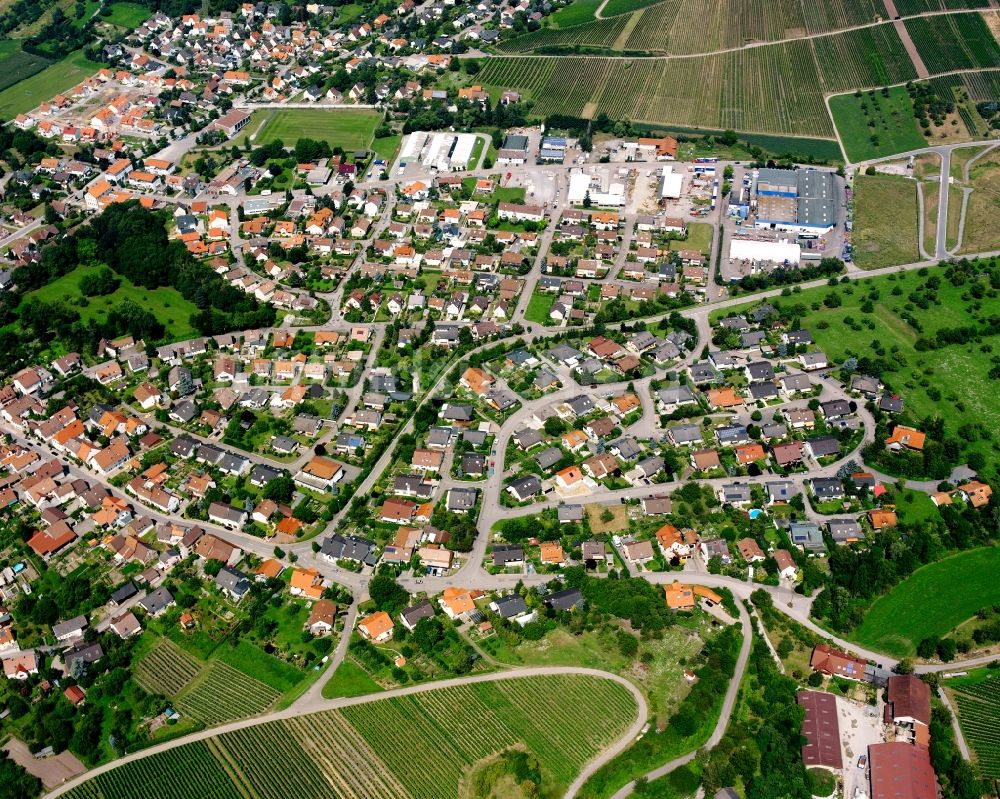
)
(320, 704)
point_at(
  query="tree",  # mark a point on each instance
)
(554, 426)
(17, 783)
(280, 489)
(628, 644)
(427, 634)
(387, 594)
(928, 647)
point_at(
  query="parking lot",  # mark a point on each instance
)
(860, 726)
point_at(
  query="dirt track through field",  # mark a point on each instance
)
(904, 36)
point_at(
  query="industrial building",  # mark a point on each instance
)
(553, 150)
(803, 201)
(581, 184)
(671, 184)
(445, 152)
(756, 251)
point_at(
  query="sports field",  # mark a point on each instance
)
(933, 601)
(28, 93)
(885, 221)
(364, 751)
(351, 129)
(165, 303)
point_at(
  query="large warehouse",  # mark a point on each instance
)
(803, 201)
(444, 152)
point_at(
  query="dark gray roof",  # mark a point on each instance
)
(507, 553)
(414, 613)
(526, 486)
(351, 547)
(124, 593)
(511, 606)
(157, 602)
(567, 599)
(233, 581)
(548, 457)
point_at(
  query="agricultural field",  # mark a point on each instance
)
(221, 694)
(960, 584)
(980, 233)
(598, 33)
(907, 7)
(180, 773)
(865, 57)
(885, 221)
(876, 124)
(218, 691)
(576, 13)
(712, 73)
(17, 65)
(954, 41)
(763, 90)
(837, 14)
(351, 129)
(356, 752)
(615, 7)
(56, 78)
(978, 710)
(165, 303)
(660, 677)
(166, 669)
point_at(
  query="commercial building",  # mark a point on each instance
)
(798, 200)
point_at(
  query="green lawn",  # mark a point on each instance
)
(28, 93)
(349, 13)
(165, 303)
(386, 149)
(538, 308)
(895, 128)
(699, 238)
(128, 15)
(350, 680)
(342, 127)
(576, 13)
(931, 602)
(885, 221)
(256, 663)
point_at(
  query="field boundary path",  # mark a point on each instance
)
(318, 705)
(906, 39)
(955, 726)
